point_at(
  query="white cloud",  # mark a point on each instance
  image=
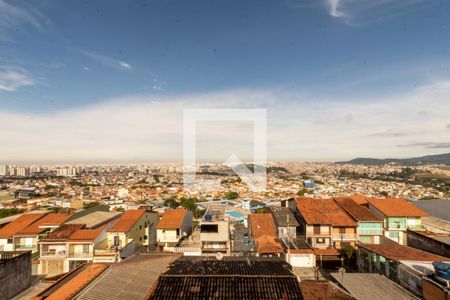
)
(334, 9)
(12, 79)
(108, 61)
(150, 128)
(13, 16)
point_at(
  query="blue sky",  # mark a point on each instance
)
(65, 57)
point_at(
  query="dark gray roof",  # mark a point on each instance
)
(283, 216)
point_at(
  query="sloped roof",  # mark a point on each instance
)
(399, 252)
(48, 220)
(358, 212)
(62, 233)
(394, 207)
(262, 224)
(86, 235)
(361, 200)
(283, 216)
(268, 244)
(322, 289)
(19, 224)
(323, 212)
(172, 219)
(127, 220)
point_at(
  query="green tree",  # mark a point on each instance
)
(302, 192)
(171, 202)
(230, 195)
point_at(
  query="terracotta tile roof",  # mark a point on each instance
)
(323, 290)
(268, 244)
(392, 207)
(77, 283)
(127, 220)
(19, 224)
(86, 235)
(399, 252)
(262, 224)
(323, 211)
(172, 219)
(358, 212)
(361, 200)
(62, 233)
(48, 220)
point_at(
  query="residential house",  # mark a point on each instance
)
(398, 215)
(262, 230)
(8, 232)
(73, 243)
(325, 224)
(27, 238)
(387, 259)
(285, 221)
(215, 230)
(134, 229)
(174, 225)
(370, 226)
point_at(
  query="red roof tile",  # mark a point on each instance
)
(262, 224)
(172, 219)
(127, 220)
(358, 212)
(397, 208)
(77, 283)
(62, 233)
(361, 200)
(323, 211)
(398, 252)
(86, 235)
(19, 224)
(323, 290)
(268, 244)
(47, 220)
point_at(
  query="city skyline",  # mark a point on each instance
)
(339, 79)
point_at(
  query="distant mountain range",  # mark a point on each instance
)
(429, 159)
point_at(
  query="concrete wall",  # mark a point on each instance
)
(421, 242)
(15, 273)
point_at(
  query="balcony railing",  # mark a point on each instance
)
(344, 237)
(26, 247)
(53, 254)
(370, 231)
(79, 255)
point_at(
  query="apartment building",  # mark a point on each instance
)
(370, 226)
(398, 215)
(264, 234)
(215, 230)
(324, 223)
(175, 224)
(8, 232)
(133, 230)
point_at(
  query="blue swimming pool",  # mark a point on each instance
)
(235, 214)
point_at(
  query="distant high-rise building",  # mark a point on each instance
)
(3, 170)
(66, 172)
(23, 171)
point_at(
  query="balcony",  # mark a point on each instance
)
(344, 237)
(80, 255)
(53, 254)
(370, 231)
(26, 247)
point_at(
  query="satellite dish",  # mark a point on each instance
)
(219, 256)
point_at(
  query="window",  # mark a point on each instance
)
(209, 228)
(316, 229)
(145, 237)
(342, 230)
(320, 241)
(10, 241)
(364, 239)
(140, 227)
(85, 248)
(393, 234)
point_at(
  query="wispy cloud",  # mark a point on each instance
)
(334, 9)
(14, 16)
(108, 61)
(151, 127)
(357, 12)
(428, 145)
(12, 78)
